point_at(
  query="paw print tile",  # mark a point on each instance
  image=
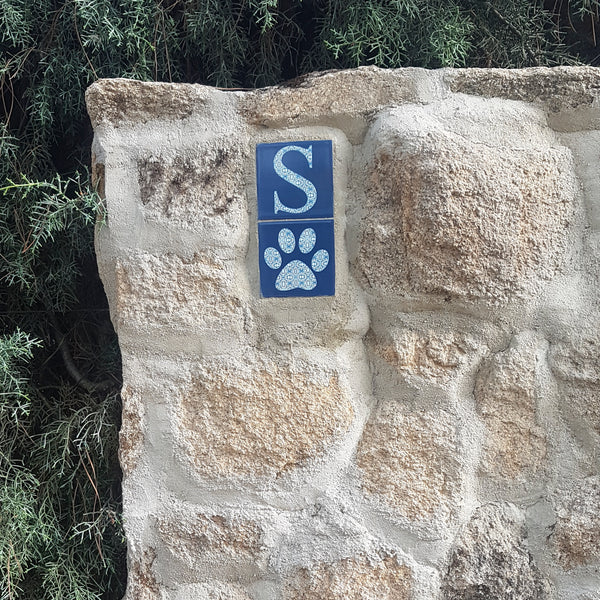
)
(297, 258)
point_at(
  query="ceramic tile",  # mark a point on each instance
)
(295, 180)
(296, 258)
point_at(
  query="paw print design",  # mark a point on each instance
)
(296, 274)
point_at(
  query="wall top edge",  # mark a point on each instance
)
(341, 92)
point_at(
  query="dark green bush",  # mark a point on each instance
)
(60, 530)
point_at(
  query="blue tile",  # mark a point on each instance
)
(296, 258)
(295, 180)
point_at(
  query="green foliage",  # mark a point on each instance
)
(60, 531)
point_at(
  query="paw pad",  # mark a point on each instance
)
(296, 274)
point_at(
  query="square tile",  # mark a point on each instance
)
(296, 258)
(295, 180)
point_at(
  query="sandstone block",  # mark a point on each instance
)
(259, 418)
(177, 293)
(576, 537)
(507, 393)
(491, 226)
(491, 559)
(361, 578)
(411, 462)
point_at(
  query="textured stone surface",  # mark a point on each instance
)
(124, 100)
(410, 461)
(340, 94)
(175, 292)
(131, 434)
(141, 580)
(214, 590)
(557, 88)
(576, 537)
(491, 559)
(429, 354)
(328, 448)
(192, 537)
(195, 186)
(380, 578)
(507, 392)
(489, 226)
(259, 418)
(576, 365)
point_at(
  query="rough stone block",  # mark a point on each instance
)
(432, 355)
(411, 462)
(252, 419)
(177, 293)
(361, 578)
(131, 434)
(195, 188)
(192, 537)
(491, 559)
(576, 365)
(490, 226)
(507, 393)
(576, 536)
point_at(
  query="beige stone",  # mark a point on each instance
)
(257, 419)
(411, 461)
(576, 365)
(214, 590)
(558, 88)
(491, 226)
(131, 434)
(141, 580)
(190, 536)
(507, 393)
(491, 559)
(196, 186)
(361, 578)
(116, 100)
(177, 293)
(430, 354)
(325, 97)
(576, 536)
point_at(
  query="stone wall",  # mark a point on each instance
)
(432, 431)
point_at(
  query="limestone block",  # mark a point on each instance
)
(194, 188)
(491, 226)
(193, 537)
(360, 578)
(257, 417)
(491, 559)
(429, 354)
(411, 462)
(576, 537)
(507, 393)
(177, 293)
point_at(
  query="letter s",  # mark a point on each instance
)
(296, 180)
